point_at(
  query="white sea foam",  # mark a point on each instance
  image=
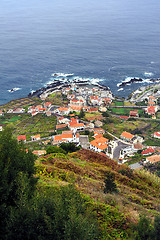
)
(148, 74)
(62, 74)
(14, 89)
(121, 89)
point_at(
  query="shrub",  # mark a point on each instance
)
(110, 185)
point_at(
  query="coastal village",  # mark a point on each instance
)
(88, 115)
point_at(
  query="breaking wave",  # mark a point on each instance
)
(14, 90)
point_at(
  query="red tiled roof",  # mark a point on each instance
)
(76, 125)
(47, 103)
(156, 134)
(21, 137)
(124, 117)
(127, 135)
(61, 126)
(100, 143)
(148, 151)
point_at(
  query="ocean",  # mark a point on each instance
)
(106, 40)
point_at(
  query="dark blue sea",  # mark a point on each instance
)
(108, 40)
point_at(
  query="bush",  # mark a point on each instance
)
(110, 185)
(69, 147)
(55, 149)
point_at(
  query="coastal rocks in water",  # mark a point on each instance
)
(135, 80)
(132, 80)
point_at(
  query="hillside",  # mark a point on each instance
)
(138, 191)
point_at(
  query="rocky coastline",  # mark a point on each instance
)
(59, 84)
(135, 80)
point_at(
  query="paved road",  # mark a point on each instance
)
(118, 149)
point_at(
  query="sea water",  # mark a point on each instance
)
(106, 40)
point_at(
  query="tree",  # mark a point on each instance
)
(110, 185)
(14, 160)
(55, 149)
(69, 147)
(144, 229)
(16, 176)
(157, 227)
(82, 113)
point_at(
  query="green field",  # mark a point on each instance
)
(124, 111)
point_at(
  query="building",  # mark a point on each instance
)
(48, 113)
(19, 110)
(21, 138)
(39, 152)
(63, 120)
(35, 137)
(127, 136)
(66, 136)
(63, 110)
(76, 108)
(1, 113)
(47, 104)
(61, 126)
(148, 151)
(76, 126)
(134, 113)
(156, 135)
(153, 159)
(99, 144)
(98, 123)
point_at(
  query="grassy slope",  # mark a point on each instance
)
(115, 212)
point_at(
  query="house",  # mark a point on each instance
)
(127, 136)
(138, 146)
(1, 113)
(63, 110)
(47, 104)
(63, 120)
(124, 117)
(98, 123)
(35, 137)
(89, 126)
(151, 103)
(1, 128)
(61, 126)
(156, 135)
(151, 98)
(70, 96)
(66, 136)
(76, 108)
(31, 109)
(91, 119)
(39, 152)
(153, 159)
(34, 113)
(38, 107)
(148, 151)
(92, 109)
(21, 138)
(107, 100)
(76, 126)
(95, 100)
(98, 135)
(98, 130)
(77, 102)
(99, 144)
(133, 113)
(41, 110)
(151, 110)
(19, 110)
(48, 113)
(102, 109)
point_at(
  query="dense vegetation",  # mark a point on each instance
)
(74, 195)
